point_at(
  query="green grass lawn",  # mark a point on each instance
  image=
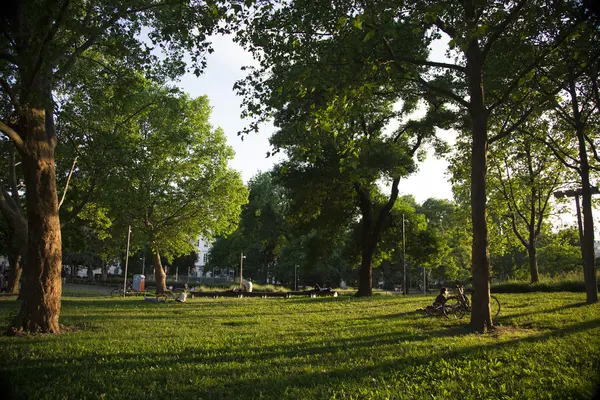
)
(547, 346)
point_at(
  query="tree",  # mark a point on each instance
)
(560, 252)
(172, 183)
(448, 223)
(573, 137)
(264, 227)
(41, 42)
(497, 46)
(485, 39)
(332, 106)
(525, 174)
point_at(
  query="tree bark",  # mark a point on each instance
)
(42, 285)
(16, 269)
(481, 317)
(589, 259)
(159, 273)
(104, 271)
(533, 264)
(365, 275)
(531, 250)
(370, 234)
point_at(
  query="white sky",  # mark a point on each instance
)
(223, 71)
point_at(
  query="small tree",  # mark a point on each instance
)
(172, 183)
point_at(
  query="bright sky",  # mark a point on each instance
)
(217, 83)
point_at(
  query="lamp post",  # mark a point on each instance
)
(126, 260)
(404, 288)
(143, 262)
(242, 256)
(296, 278)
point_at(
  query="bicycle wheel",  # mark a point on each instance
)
(131, 292)
(453, 308)
(494, 306)
(116, 292)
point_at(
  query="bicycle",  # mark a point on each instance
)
(130, 291)
(458, 306)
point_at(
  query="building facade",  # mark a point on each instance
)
(203, 246)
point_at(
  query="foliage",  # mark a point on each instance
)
(261, 235)
(563, 285)
(547, 345)
(172, 183)
(560, 252)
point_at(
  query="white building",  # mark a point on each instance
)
(202, 248)
(597, 248)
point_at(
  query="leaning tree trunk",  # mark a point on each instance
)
(370, 234)
(159, 273)
(481, 317)
(42, 286)
(16, 269)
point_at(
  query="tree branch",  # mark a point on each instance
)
(512, 128)
(12, 134)
(64, 194)
(593, 146)
(556, 153)
(542, 209)
(136, 112)
(79, 207)
(430, 63)
(39, 54)
(385, 210)
(12, 176)
(442, 91)
(448, 30)
(499, 30)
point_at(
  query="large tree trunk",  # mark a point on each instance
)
(481, 317)
(365, 274)
(159, 274)
(42, 286)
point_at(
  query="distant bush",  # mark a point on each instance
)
(552, 286)
(269, 288)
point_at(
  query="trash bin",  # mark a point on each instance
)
(138, 282)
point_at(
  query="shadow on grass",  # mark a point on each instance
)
(545, 311)
(269, 370)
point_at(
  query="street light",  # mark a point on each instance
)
(404, 288)
(242, 256)
(296, 278)
(126, 260)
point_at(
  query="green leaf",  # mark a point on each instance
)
(370, 35)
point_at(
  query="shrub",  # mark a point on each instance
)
(524, 287)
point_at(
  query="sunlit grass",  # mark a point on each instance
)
(547, 346)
